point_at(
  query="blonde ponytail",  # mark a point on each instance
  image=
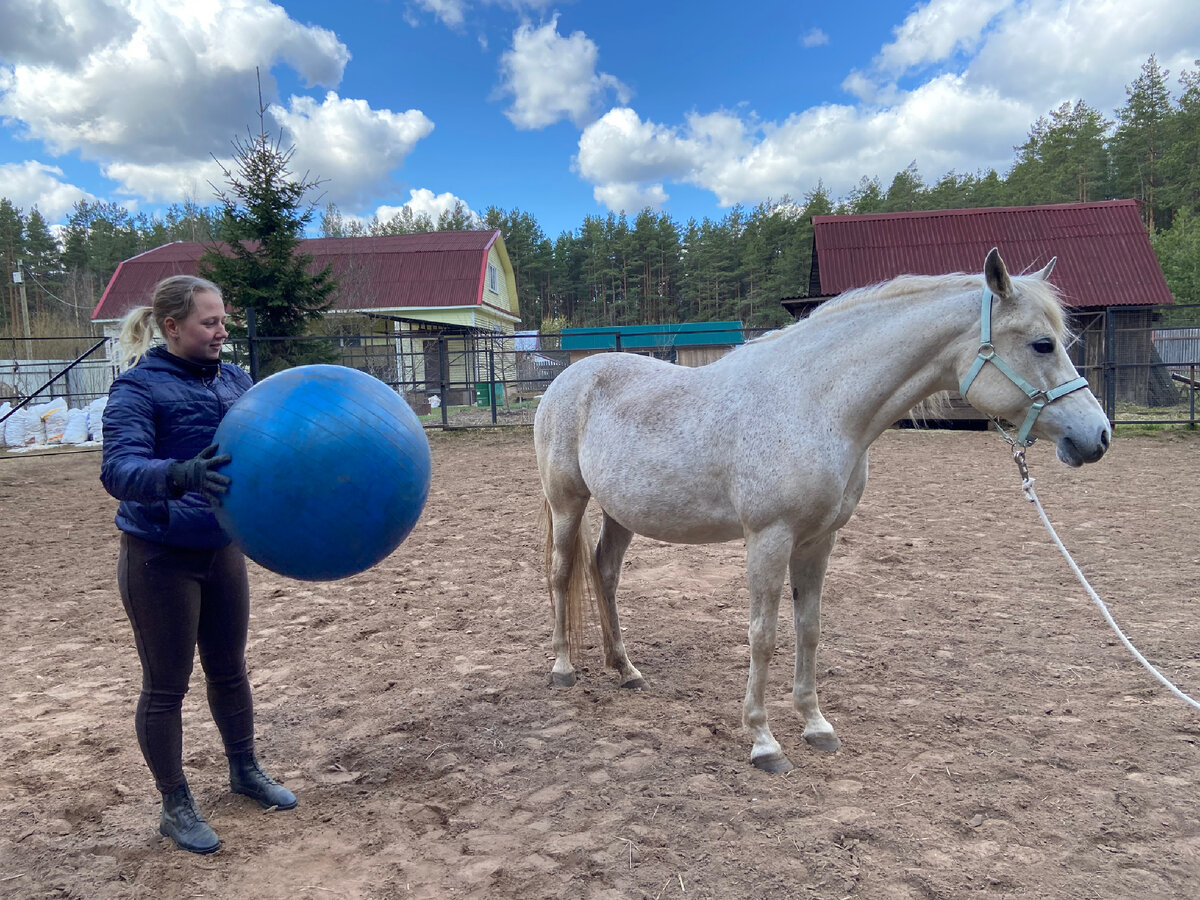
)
(137, 334)
(172, 300)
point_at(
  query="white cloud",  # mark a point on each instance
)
(151, 91)
(945, 125)
(423, 201)
(173, 86)
(620, 147)
(169, 183)
(630, 198)
(936, 31)
(1021, 60)
(815, 37)
(552, 77)
(61, 32)
(450, 12)
(1051, 51)
(29, 184)
(330, 138)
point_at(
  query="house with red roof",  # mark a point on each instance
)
(414, 309)
(455, 279)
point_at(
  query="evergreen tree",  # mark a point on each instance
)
(98, 237)
(12, 247)
(906, 190)
(261, 268)
(1139, 144)
(865, 198)
(1178, 252)
(1181, 161)
(1064, 159)
(457, 218)
(986, 190)
(531, 257)
(403, 222)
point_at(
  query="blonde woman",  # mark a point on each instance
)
(182, 582)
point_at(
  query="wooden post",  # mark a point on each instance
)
(19, 278)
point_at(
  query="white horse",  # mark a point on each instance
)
(770, 444)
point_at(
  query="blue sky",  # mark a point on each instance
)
(563, 109)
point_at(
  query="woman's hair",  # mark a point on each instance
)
(172, 299)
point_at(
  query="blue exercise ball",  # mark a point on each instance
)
(330, 470)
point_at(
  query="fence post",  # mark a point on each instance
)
(252, 341)
(492, 376)
(1110, 364)
(443, 375)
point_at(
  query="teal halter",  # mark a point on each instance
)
(987, 354)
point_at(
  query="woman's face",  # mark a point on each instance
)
(199, 336)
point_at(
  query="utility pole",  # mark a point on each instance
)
(19, 280)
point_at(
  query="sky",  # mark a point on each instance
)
(559, 109)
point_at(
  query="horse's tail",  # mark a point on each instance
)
(584, 581)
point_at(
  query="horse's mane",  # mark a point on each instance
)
(906, 286)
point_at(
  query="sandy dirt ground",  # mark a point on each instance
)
(998, 741)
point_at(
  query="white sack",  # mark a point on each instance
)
(76, 431)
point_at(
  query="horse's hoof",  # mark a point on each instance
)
(823, 741)
(636, 684)
(775, 764)
(558, 679)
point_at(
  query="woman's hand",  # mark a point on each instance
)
(199, 475)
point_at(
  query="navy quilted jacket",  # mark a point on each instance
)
(162, 409)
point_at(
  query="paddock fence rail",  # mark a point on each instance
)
(1143, 363)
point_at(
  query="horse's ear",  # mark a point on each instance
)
(1044, 274)
(996, 275)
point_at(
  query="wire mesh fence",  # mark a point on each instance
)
(1143, 363)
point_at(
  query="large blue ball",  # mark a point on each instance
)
(330, 470)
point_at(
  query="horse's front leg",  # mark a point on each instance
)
(807, 570)
(767, 554)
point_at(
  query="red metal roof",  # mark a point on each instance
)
(439, 269)
(1104, 254)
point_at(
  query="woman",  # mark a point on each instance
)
(182, 582)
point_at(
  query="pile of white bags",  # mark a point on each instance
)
(49, 424)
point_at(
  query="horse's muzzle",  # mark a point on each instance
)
(1075, 454)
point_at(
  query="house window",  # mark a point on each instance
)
(493, 279)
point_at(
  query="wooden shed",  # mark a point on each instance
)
(1106, 269)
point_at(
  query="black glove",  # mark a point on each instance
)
(184, 475)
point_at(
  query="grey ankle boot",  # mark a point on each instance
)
(247, 777)
(183, 824)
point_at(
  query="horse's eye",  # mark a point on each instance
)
(1043, 345)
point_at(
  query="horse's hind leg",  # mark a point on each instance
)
(807, 569)
(564, 532)
(610, 551)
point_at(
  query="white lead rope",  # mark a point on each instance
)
(1031, 495)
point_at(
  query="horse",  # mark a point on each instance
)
(769, 444)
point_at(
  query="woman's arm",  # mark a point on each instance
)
(129, 470)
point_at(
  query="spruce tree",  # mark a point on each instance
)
(1140, 141)
(259, 266)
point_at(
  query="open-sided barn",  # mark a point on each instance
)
(1105, 265)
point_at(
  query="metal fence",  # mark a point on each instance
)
(1143, 363)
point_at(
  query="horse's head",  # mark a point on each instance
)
(1020, 371)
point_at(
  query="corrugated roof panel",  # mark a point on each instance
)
(646, 337)
(439, 269)
(1104, 254)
